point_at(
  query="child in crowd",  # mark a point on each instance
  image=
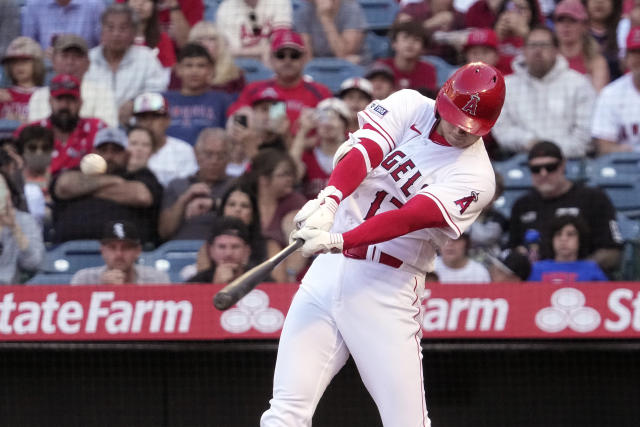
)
(195, 106)
(24, 66)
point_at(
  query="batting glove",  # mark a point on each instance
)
(318, 241)
(319, 212)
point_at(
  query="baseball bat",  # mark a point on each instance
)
(231, 294)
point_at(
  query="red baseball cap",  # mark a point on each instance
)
(633, 39)
(482, 37)
(266, 94)
(571, 8)
(286, 38)
(65, 84)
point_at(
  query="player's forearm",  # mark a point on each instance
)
(418, 213)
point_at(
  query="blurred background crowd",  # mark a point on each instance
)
(218, 119)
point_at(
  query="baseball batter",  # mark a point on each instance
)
(414, 175)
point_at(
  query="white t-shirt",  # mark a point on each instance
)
(617, 113)
(176, 159)
(472, 272)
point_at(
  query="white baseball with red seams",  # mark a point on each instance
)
(383, 289)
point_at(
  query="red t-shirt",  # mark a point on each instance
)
(18, 107)
(303, 95)
(423, 75)
(193, 11)
(479, 15)
(578, 63)
(68, 155)
(508, 49)
(315, 178)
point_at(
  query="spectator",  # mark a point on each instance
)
(228, 251)
(410, 72)
(314, 156)
(24, 66)
(565, 248)
(604, 16)
(84, 203)
(172, 158)
(287, 60)
(73, 135)
(9, 22)
(516, 18)
(616, 119)
(481, 46)
(488, 231)
(483, 13)
(35, 145)
(382, 79)
(552, 195)
(546, 100)
(454, 265)
(71, 56)
(117, 64)
(271, 178)
(189, 204)
(149, 32)
(332, 28)
(576, 44)
(120, 247)
(20, 235)
(249, 24)
(227, 76)
(437, 17)
(195, 106)
(357, 93)
(141, 145)
(510, 267)
(44, 19)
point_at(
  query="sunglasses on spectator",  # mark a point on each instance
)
(293, 55)
(549, 167)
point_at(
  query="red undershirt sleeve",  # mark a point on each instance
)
(418, 213)
(352, 169)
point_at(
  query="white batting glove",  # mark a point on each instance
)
(318, 241)
(319, 212)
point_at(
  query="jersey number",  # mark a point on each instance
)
(377, 201)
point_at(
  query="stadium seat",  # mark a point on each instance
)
(8, 126)
(377, 46)
(515, 172)
(295, 4)
(210, 9)
(72, 256)
(172, 257)
(253, 69)
(379, 13)
(630, 232)
(332, 71)
(50, 279)
(623, 190)
(615, 164)
(443, 68)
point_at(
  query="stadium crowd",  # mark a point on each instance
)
(214, 129)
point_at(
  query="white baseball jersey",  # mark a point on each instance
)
(617, 113)
(460, 181)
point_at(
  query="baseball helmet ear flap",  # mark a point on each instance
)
(472, 98)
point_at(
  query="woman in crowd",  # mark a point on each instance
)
(604, 16)
(313, 154)
(227, 75)
(24, 66)
(141, 146)
(271, 177)
(149, 32)
(576, 44)
(515, 20)
(564, 249)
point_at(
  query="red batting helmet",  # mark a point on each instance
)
(472, 98)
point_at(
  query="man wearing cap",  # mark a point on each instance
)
(121, 66)
(616, 119)
(71, 56)
(382, 79)
(228, 251)
(120, 247)
(73, 134)
(83, 203)
(553, 195)
(173, 157)
(288, 57)
(357, 93)
(407, 41)
(546, 100)
(44, 19)
(482, 45)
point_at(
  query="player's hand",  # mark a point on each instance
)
(319, 212)
(318, 241)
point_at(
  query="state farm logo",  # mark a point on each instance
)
(252, 311)
(568, 310)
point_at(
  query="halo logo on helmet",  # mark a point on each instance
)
(472, 98)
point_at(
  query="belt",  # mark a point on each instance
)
(360, 252)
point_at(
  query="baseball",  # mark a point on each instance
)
(93, 164)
